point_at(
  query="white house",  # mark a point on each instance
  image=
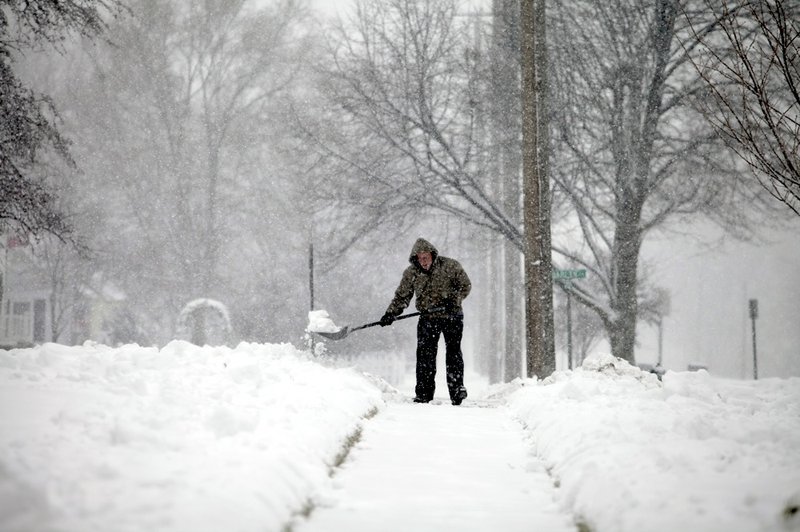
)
(29, 306)
(24, 316)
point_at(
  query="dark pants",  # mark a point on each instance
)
(428, 331)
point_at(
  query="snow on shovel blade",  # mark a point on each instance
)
(338, 335)
(344, 331)
(320, 322)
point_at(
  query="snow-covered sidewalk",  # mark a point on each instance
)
(438, 467)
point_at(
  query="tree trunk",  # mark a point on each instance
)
(622, 328)
(209, 273)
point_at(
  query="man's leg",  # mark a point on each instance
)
(453, 330)
(427, 344)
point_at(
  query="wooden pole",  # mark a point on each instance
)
(540, 342)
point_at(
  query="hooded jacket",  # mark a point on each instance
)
(445, 282)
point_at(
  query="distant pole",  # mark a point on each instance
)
(663, 308)
(311, 343)
(569, 328)
(660, 339)
(753, 316)
(311, 272)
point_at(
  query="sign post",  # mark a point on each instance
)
(565, 277)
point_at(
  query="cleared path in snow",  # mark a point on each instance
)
(438, 467)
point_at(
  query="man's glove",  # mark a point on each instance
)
(387, 319)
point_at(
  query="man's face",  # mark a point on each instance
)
(425, 259)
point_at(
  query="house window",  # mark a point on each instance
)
(20, 326)
(39, 309)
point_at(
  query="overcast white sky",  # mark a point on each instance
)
(330, 7)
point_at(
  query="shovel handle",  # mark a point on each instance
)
(404, 316)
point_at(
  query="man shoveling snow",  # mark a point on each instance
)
(439, 284)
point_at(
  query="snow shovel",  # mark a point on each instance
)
(344, 331)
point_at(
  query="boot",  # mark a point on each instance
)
(461, 394)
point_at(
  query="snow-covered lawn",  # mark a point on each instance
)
(183, 438)
(694, 453)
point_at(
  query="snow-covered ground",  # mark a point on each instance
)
(177, 439)
(184, 438)
(691, 453)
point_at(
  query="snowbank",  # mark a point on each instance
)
(694, 453)
(181, 438)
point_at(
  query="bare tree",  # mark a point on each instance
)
(68, 282)
(242, 58)
(751, 66)
(633, 155)
(404, 109)
(422, 119)
(29, 129)
(201, 76)
(178, 117)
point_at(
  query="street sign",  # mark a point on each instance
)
(569, 274)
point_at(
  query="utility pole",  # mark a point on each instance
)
(540, 342)
(493, 343)
(505, 143)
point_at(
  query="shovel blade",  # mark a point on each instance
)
(338, 335)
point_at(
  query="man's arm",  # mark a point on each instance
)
(460, 287)
(463, 284)
(403, 294)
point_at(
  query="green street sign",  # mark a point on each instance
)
(569, 274)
